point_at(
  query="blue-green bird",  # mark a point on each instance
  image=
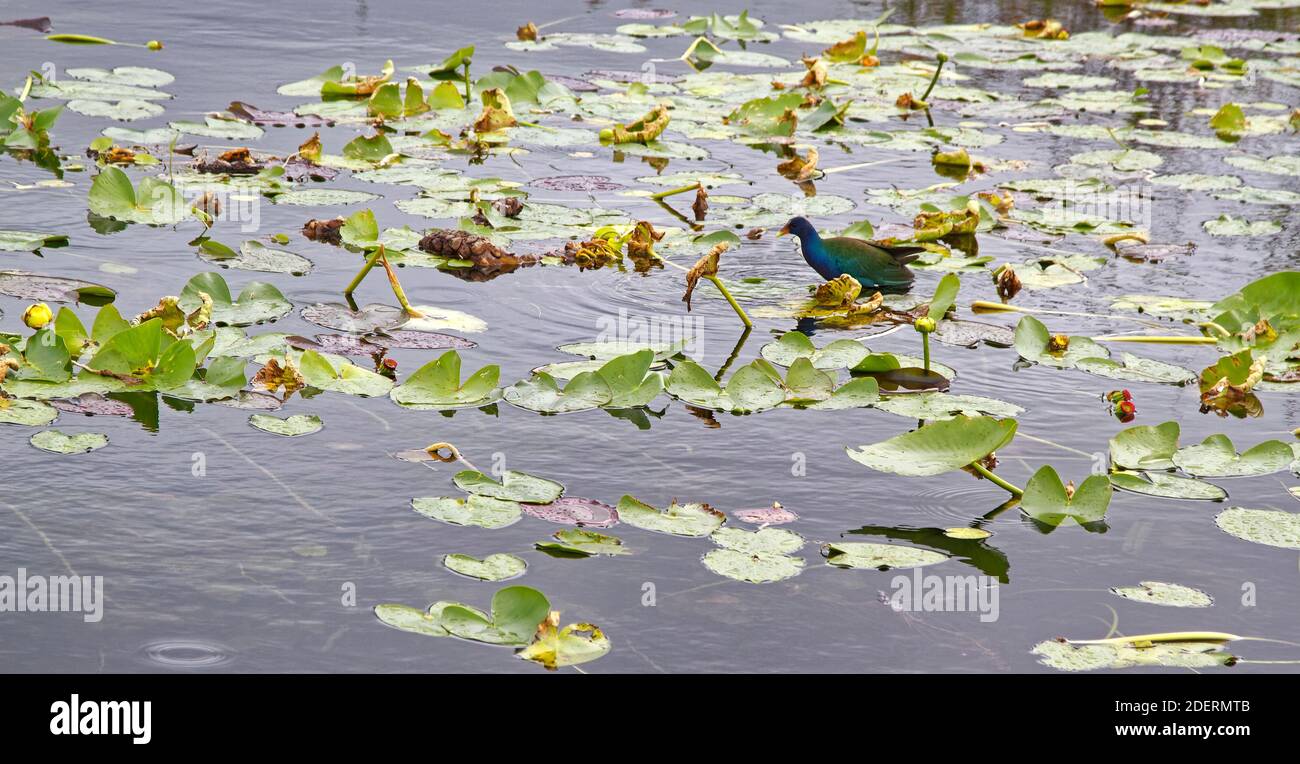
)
(874, 266)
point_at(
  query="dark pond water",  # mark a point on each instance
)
(246, 567)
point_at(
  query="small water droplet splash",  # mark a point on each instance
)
(186, 654)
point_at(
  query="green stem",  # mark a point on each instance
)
(717, 282)
(942, 58)
(995, 480)
(467, 85)
(925, 349)
(398, 292)
(1177, 339)
(356, 280)
(675, 191)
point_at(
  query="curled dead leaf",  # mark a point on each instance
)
(705, 267)
(701, 204)
(273, 376)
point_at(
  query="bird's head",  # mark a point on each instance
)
(799, 227)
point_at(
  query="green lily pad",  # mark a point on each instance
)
(769, 540)
(752, 567)
(29, 241)
(945, 406)
(221, 129)
(437, 385)
(1167, 486)
(1169, 595)
(749, 390)
(1145, 447)
(290, 427)
(258, 302)
(151, 202)
(543, 393)
(1216, 456)
(630, 382)
(1047, 501)
(369, 319)
(494, 567)
(1032, 339)
(840, 354)
(1231, 225)
(1261, 526)
(515, 486)
(125, 110)
(414, 620)
(339, 375)
(517, 611)
(1132, 368)
(576, 643)
(253, 255)
(856, 393)
(676, 519)
(481, 511)
(577, 542)
(324, 197)
(57, 442)
(937, 447)
(865, 555)
(27, 413)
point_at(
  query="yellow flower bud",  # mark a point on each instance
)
(38, 315)
(153, 45)
(924, 324)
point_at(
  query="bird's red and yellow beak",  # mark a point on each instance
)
(784, 230)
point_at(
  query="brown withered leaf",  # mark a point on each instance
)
(311, 148)
(497, 113)
(705, 267)
(1046, 29)
(324, 231)
(701, 204)
(800, 169)
(815, 77)
(641, 243)
(273, 376)
(117, 155)
(1007, 282)
(841, 291)
(644, 130)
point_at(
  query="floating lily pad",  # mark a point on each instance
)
(1033, 343)
(324, 197)
(151, 202)
(482, 511)
(1169, 595)
(494, 567)
(543, 393)
(253, 255)
(752, 567)
(860, 554)
(34, 286)
(768, 540)
(517, 611)
(1167, 486)
(840, 354)
(576, 643)
(938, 447)
(676, 519)
(57, 442)
(748, 390)
(1132, 368)
(1064, 656)
(515, 486)
(1047, 500)
(573, 510)
(368, 320)
(28, 413)
(1145, 447)
(258, 302)
(29, 241)
(945, 406)
(339, 375)
(1216, 456)
(1231, 225)
(576, 542)
(290, 427)
(773, 515)
(1261, 526)
(126, 110)
(414, 620)
(437, 385)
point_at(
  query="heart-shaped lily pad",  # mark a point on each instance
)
(1033, 342)
(1262, 526)
(481, 511)
(576, 643)
(1217, 457)
(517, 611)
(368, 320)
(1167, 486)
(257, 302)
(676, 519)
(749, 390)
(1169, 595)
(1132, 368)
(1065, 656)
(861, 554)
(337, 374)
(58, 442)
(937, 447)
(290, 427)
(1145, 447)
(437, 385)
(945, 406)
(774, 540)
(544, 395)
(1047, 500)
(840, 354)
(752, 567)
(494, 567)
(514, 486)
(414, 620)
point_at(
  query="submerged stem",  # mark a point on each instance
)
(995, 480)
